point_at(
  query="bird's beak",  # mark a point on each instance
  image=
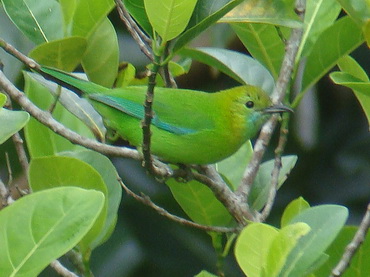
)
(277, 109)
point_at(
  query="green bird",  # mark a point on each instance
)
(188, 126)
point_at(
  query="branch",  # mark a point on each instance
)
(277, 96)
(61, 270)
(353, 246)
(141, 39)
(144, 199)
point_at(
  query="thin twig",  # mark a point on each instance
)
(277, 96)
(61, 270)
(141, 39)
(353, 246)
(144, 199)
(3, 195)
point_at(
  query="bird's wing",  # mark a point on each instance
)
(137, 110)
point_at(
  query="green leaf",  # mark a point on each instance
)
(293, 209)
(40, 227)
(114, 191)
(11, 122)
(2, 99)
(199, 203)
(41, 141)
(282, 245)
(89, 15)
(68, 10)
(264, 44)
(241, 67)
(360, 89)
(39, 20)
(233, 167)
(359, 265)
(65, 54)
(54, 171)
(206, 13)
(335, 42)
(262, 11)
(358, 10)
(137, 11)
(325, 221)
(100, 61)
(252, 247)
(319, 16)
(351, 66)
(169, 18)
(262, 183)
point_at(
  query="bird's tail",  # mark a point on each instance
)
(70, 82)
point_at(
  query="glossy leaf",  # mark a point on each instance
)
(335, 42)
(262, 183)
(264, 44)
(262, 11)
(360, 89)
(39, 20)
(65, 54)
(137, 11)
(41, 141)
(233, 167)
(56, 171)
(89, 15)
(282, 245)
(319, 15)
(11, 122)
(42, 226)
(252, 247)
(169, 18)
(114, 191)
(325, 222)
(358, 10)
(206, 13)
(241, 67)
(293, 209)
(199, 203)
(359, 265)
(100, 61)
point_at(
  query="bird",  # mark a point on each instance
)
(188, 126)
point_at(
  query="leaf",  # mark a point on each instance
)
(241, 67)
(68, 10)
(206, 13)
(360, 89)
(169, 18)
(233, 167)
(325, 222)
(319, 16)
(89, 15)
(263, 43)
(262, 183)
(358, 10)
(2, 99)
(11, 122)
(252, 246)
(293, 209)
(100, 61)
(359, 265)
(39, 20)
(335, 42)
(351, 66)
(65, 54)
(55, 171)
(114, 191)
(205, 273)
(41, 141)
(262, 11)
(42, 226)
(137, 11)
(199, 203)
(282, 245)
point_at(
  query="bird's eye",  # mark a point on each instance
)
(249, 104)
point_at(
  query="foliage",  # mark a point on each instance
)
(76, 195)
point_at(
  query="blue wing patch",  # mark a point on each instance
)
(137, 110)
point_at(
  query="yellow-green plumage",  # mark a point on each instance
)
(189, 127)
